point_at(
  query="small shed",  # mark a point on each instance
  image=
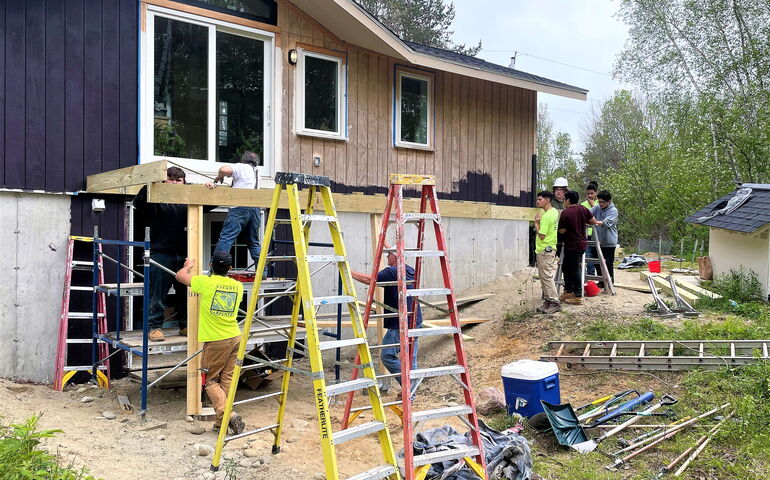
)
(739, 231)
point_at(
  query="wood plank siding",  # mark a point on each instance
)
(484, 132)
(68, 91)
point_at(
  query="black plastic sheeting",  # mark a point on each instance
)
(507, 454)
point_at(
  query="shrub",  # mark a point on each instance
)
(739, 285)
(21, 459)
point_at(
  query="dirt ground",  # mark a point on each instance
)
(163, 447)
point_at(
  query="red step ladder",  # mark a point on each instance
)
(63, 372)
(416, 467)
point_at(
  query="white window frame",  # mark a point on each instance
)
(208, 166)
(299, 95)
(397, 111)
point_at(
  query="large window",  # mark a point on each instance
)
(207, 86)
(414, 106)
(320, 95)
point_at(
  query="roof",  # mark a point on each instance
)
(748, 218)
(476, 62)
(351, 23)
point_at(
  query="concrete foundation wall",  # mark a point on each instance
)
(34, 235)
(479, 251)
(735, 251)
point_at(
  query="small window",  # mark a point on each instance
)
(320, 95)
(414, 106)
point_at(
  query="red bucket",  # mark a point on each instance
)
(654, 266)
(591, 289)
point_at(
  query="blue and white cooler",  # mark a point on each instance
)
(526, 382)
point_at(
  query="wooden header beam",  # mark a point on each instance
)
(356, 202)
(118, 181)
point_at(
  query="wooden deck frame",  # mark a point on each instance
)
(153, 175)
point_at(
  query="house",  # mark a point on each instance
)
(315, 86)
(739, 231)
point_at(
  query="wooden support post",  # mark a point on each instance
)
(195, 251)
(376, 223)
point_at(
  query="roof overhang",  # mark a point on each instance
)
(352, 24)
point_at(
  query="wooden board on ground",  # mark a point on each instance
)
(464, 301)
(663, 284)
(691, 287)
(441, 322)
(636, 288)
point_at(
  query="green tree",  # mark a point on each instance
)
(717, 54)
(555, 157)
(426, 22)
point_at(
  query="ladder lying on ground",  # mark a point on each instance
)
(659, 354)
(303, 298)
(416, 467)
(64, 372)
(600, 261)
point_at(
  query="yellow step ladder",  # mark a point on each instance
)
(303, 299)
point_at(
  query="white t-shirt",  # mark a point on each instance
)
(243, 176)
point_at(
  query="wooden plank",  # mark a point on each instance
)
(636, 288)
(692, 288)
(430, 324)
(358, 203)
(54, 100)
(128, 101)
(375, 222)
(462, 301)
(34, 118)
(15, 93)
(664, 285)
(135, 175)
(441, 322)
(194, 251)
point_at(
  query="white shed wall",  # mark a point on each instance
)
(730, 250)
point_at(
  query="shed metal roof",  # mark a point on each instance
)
(748, 218)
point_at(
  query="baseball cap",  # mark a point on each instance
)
(221, 260)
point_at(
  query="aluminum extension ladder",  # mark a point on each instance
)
(417, 467)
(63, 373)
(303, 298)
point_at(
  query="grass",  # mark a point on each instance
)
(740, 449)
(21, 457)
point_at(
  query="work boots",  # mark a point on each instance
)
(156, 335)
(574, 300)
(565, 295)
(549, 307)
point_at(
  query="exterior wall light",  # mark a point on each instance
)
(293, 56)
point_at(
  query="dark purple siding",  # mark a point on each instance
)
(68, 92)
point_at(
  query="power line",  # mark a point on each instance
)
(516, 52)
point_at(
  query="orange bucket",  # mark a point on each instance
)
(591, 289)
(654, 266)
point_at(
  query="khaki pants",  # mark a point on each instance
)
(546, 269)
(219, 361)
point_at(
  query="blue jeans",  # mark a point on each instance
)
(390, 356)
(239, 219)
(591, 267)
(160, 282)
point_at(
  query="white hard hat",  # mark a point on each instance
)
(560, 182)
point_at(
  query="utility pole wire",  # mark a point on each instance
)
(517, 52)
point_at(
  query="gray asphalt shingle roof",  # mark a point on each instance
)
(749, 217)
(474, 62)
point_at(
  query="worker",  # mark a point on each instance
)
(607, 230)
(572, 228)
(168, 247)
(545, 249)
(246, 219)
(390, 355)
(220, 297)
(560, 188)
(589, 203)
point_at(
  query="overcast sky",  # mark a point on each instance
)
(581, 33)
